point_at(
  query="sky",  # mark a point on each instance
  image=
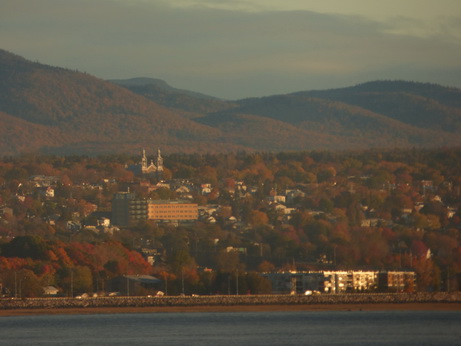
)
(234, 49)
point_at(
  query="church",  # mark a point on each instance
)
(152, 169)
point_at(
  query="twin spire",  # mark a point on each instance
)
(151, 168)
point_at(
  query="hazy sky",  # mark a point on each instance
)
(241, 48)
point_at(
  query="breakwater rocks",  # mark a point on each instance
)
(384, 298)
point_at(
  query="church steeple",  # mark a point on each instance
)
(143, 160)
(159, 161)
(145, 167)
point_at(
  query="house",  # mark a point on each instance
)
(163, 185)
(451, 212)
(73, 226)
(205, 189)
(374, 222)
(153, 256)
(293, 195)
(50, 291)
(147, 187)
(103, 222)
(240, 250)
(208, 210)
(210, 219)
(6, 211)
(231, 219)
(47, 192)
(44, 180)
(184, 191)
(277, 199)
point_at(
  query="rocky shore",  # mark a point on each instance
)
(228, 301)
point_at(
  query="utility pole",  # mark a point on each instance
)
(237, 283)
(334, 255)
(448, 279)
(72, 283)
(182, 280)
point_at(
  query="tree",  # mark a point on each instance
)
(427, 274)
(326, 205)
(26, 247)
(112, 269)
(228, 262)
(179, 260)
(429, 221)
(265, 267)
(75, 280)
(83, 280)
(22, 283)
(257, 284)
(301, 219)
(258, 218)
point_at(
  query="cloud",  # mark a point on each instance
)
(225, 48)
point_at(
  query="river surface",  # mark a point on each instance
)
(237, 328)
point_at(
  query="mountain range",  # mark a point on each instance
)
(53, 110)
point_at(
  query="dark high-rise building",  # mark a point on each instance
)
(127, 209)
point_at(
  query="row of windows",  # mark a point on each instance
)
(138, 213)
(173, 217)
(152, 207)
(173, 206)
(174, 213)
(195, 215)
(169, 214)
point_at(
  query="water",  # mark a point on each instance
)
(235, 328)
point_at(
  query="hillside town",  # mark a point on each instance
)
(288, 223)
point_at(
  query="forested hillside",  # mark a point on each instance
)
(53, 110)
(80, 113)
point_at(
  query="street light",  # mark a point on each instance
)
(334, 254)
(15, 284)
(182, 280)
(237, 283)
(72, 283)
(20, 285)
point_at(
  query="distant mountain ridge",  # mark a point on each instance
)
(55, 110)
(409, 102)
(157, 90)
(159, 83)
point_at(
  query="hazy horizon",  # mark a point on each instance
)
(237, 49)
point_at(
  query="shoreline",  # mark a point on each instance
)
(236, 308)
(440, 301)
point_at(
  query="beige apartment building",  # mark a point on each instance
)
(128, 210)
(159, 210)
(341, 281)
